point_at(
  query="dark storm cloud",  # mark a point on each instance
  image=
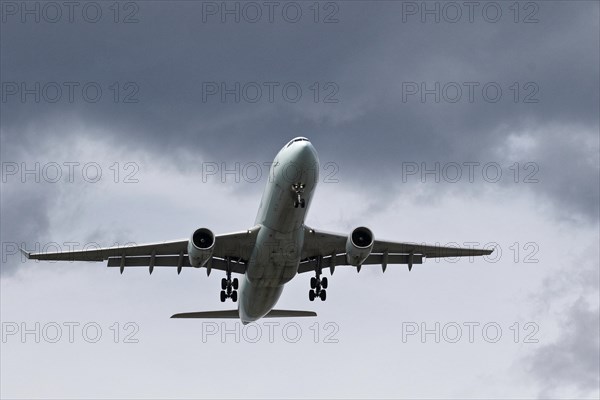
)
(370, 58)
(371, 55)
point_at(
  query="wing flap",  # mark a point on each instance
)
(372, 259)
(173, 261)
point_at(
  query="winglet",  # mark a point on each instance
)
(25, 252)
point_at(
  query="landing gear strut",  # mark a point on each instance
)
(318, 284)
(229, 286)
(298, 189)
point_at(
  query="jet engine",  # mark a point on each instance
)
(200, 247)
(359, 245)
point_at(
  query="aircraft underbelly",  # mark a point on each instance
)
(275, 258)
(276, 255)
(274, 262)
(256, 301)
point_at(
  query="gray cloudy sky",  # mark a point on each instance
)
(434, 122)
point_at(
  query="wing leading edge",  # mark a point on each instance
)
(328, 250)
(231, 251)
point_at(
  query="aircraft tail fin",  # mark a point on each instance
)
(234, 314)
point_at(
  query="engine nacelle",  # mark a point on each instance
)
(359, 245)
(200, 247)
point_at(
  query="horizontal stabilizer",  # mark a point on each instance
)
(234, 314)
(289, 313)
(208, 314)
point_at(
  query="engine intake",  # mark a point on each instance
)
(359, 245)
(200, 247)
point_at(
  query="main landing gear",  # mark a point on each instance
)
(318, 284)
(298, 189)
(229, 286)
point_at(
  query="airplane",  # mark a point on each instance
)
(272, 252)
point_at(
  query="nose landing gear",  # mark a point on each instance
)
(298, 189)
(229, 286)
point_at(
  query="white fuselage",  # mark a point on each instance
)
(276, 255)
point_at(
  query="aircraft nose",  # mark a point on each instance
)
(305, 152)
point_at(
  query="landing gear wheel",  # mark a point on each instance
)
(318, 284)
(323, 295)
(229, 285)
(298, 189)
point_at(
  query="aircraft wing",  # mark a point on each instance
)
(233, 249)
(329, 249)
